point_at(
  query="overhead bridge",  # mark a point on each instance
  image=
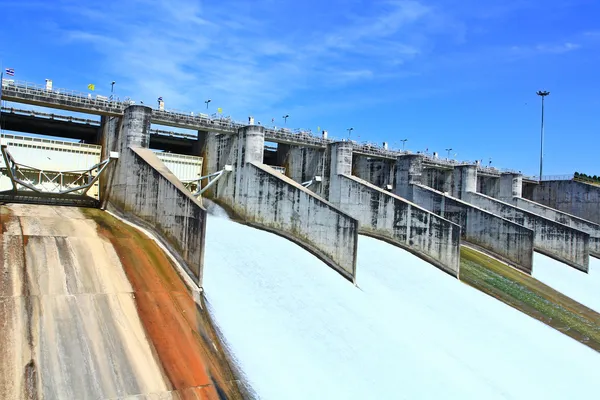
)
(38, 95)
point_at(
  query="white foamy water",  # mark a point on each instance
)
(299, 330)
(581, 287)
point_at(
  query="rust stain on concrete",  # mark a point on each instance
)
(90, 309)
(182, 333)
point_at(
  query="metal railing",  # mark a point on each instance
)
(558, 177)
(21, 90)
(85, 102)
(34, 113)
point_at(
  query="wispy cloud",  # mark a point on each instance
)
(186, 50)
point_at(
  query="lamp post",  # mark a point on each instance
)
(403, 142)
(112, 90)
(542, 94)
(207, 101)
(285, 117)
(448, 150)
(349, 132)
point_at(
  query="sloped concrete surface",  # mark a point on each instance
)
(76, 324)
(69, 325)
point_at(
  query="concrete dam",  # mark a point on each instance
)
(176, 327)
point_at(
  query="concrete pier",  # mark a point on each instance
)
(141, 188)
(572, 221)
(511, 186)
(379, 172)
(438, 179)
(464, 179)
(572, 197)
(551, 238)
(262, 197)
(409, 171)
(507, 240)
(303, 164)
(389, 217)
(510, 191)
(556, 240)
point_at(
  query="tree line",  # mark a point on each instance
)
(579, 175)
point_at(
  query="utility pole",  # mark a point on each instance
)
(403, 142)
(542, 94)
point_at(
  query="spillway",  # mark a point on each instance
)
(91, 309)
(298, 330)
(581, 287)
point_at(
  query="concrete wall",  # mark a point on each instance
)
(389, 217)
(277, 203)
(302, 164)
(574, 222)
(551, 238)
(488, 185)
(438, 179)
(409, 171)
(576, 198)
(507, 240)
(141, 188)
(464, 179)
(511, 186)
(377, 171)
(261, 197)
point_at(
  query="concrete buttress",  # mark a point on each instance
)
(260, 196)
(141, 188)
(391, 218)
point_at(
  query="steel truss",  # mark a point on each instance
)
(60, 182)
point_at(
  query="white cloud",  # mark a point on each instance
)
(186, 51)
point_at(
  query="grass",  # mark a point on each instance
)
(530, 296)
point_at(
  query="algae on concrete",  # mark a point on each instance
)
(530, 296)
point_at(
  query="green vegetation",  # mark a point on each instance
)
(530, 296)
(593, 179)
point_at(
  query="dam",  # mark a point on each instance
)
(334, 255)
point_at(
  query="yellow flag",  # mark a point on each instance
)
(318, 129)
(219, 110)
(91, 86)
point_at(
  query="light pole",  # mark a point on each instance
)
(112, 89)
(542, 94)
(207, 101)
(448, 150)
(349, 132)
(403, 142)
(285, 117)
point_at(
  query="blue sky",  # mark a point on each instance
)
(445, 73)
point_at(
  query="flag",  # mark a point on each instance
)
(10, 71)
(91, 86)
(219, 110)
(318, 129)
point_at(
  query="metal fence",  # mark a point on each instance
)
(16, 90)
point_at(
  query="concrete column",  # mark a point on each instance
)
(254, 143)
(136, 126)
(341, 163)
(465, 180)
(511, 185)
(374, 170)
(409, 169)
(341, 158)
(198, 146)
